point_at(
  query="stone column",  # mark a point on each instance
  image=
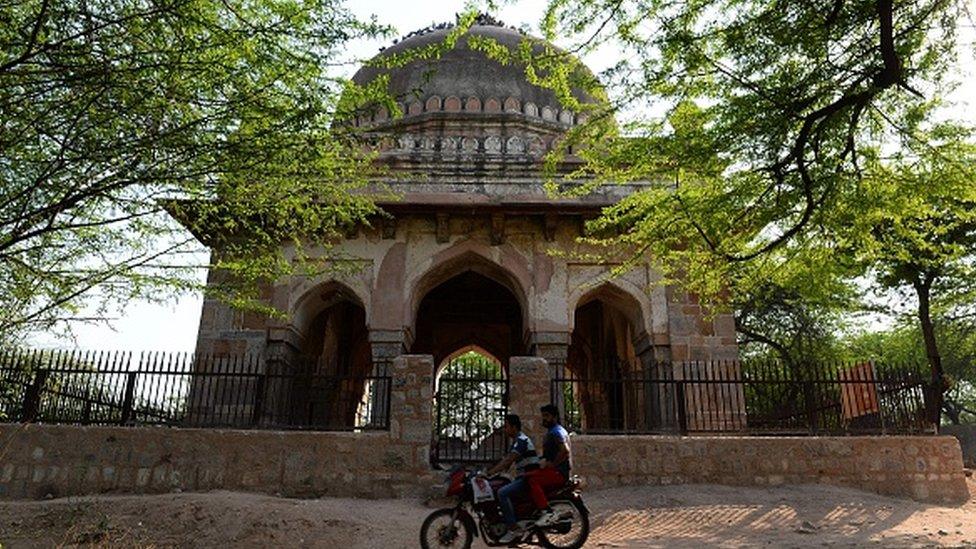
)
(528, 390)
(411, 404)
(553, 347)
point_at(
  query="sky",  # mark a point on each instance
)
(172, 325)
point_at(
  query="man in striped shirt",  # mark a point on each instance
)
(525, 458)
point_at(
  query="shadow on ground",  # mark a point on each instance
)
(649, 516)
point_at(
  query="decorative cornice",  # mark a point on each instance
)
(476, 105)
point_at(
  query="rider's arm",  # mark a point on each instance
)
(503, 465)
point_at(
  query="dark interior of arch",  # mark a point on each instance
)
(601, 351)
(469, 309)
(335, 355)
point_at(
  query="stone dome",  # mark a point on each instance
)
(464, 81)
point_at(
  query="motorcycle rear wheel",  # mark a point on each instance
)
(575, 536)
(440, 530)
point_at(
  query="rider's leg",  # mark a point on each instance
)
(541, 480)
(505, 500)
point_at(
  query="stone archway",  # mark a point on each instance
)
(602, 357)
(471, 401)
(466, 309)
(333, 360)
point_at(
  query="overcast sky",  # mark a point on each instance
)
(173, 326)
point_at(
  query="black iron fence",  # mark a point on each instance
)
(470, 406)
(744, 398)
(187, 390)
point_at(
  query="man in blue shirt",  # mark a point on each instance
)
(554, 471)
(523, 455)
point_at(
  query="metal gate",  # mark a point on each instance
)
(471, 403)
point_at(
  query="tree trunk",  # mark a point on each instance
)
(923, 290)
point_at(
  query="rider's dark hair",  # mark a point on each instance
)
(551, 410)
(514, 421)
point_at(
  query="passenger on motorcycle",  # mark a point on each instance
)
(523, 455)
(554, 471)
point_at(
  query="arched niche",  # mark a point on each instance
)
(332, 321)
(469, 308)
(468, 258)
(606, 322)
(334, 359)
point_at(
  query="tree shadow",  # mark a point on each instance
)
(793, 516)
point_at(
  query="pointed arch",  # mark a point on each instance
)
(320, 297)
(622, 294)
(508, 270)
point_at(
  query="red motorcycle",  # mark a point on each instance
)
(478, 496)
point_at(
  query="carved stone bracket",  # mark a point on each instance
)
(443, 230)
(549, 227)
(497, 228)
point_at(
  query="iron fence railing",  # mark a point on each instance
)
(187, 390)
(470, 406)
(744, 398)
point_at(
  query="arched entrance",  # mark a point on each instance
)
(469, 309)
(604, 365)
(333, 388)
(471, 401)
(472, 324)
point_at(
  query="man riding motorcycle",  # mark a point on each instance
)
(533, 477)
(484, 499)
(523, 455)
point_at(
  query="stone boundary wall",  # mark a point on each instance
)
(924, 468)
(967, 439)
(63, 460)
(37, 460)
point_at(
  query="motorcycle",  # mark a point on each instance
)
(477, 496)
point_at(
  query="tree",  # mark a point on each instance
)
(112, 112)
(794, 101)
(790, 96)
(914, 228)
(903, 344)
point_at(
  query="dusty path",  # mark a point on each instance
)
(671, 516)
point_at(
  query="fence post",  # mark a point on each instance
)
(258, 399)
(679, 395)
(127, 400)
(808, 397)
(32, 397)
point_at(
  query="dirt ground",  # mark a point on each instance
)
(669, 516)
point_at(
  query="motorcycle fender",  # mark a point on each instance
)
(578, 498)
(468, 520)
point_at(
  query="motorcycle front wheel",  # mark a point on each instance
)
(442, 529)
(571, 528)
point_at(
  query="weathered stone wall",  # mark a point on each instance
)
(967, 439)
(921, 468)
(70, 460)
(394, 267)
(36, 460)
